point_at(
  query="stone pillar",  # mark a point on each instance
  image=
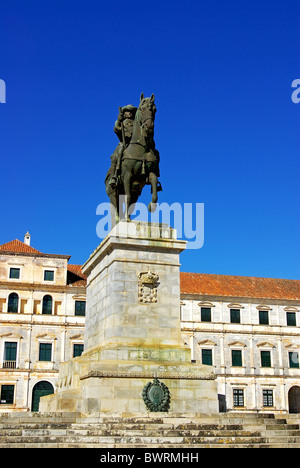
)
(133, 290)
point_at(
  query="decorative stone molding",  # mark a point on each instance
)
(80, 336)
(206, 304)
(237, 344)
(235, 306)
(265, 344)
(291, 309)
(263, 307)
(47, 336)
(15, 336)
(207, 343)
(145, 375)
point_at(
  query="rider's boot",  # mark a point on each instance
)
(113, 182)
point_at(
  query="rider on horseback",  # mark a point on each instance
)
(135, 161)
(123, 129)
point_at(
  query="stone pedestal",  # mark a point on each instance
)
(132, 332)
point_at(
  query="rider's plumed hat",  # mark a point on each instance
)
(129, 108)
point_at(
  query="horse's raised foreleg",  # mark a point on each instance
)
(153, 182)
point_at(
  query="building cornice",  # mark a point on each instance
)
(245, 299)
(11, 253)
(9, 285)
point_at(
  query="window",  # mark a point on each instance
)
(13, 303)
(238, 397)
(49, 275)
(207, 357)
(77, 350)
(291, 319)
(10, 355)
(47, 305)
(263, 317)
(268, 398)
(7, 394)
(294, 360)
(236, 357)
(265, 357)
(80, 308)
(45, 353)
(14, 273)
(205, 314)
(235, 316)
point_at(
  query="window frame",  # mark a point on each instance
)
(238, 397)
(211, 356)
(240, 351)
(77, 345)
(289, 315)
(11, 403)
(232, 311)
(47, 310)
(49, 271)
(14, 268)
(18, 303)
(263, 352)
(44, 344)
(203, 311)
(267, 398)
(292, 364)
(77, 301)
(261, 314)
(13, 349)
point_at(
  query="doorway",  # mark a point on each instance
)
(40, 389)
(294, 400)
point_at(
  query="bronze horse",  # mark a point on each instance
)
(139, 166)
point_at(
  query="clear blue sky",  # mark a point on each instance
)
(226, 128)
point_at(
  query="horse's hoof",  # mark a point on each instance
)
(152, 207)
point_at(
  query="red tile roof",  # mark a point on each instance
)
(75, 276)
(239, 286)
(18, 246)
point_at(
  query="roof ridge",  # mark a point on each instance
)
(239, 286)
(18, 246)
(238, 276)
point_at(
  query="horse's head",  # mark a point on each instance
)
(146, 115)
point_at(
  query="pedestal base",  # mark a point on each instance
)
(133, 330)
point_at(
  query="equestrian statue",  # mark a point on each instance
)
(135, 161)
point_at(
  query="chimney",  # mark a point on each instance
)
(27, 238)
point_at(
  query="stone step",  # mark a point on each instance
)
(165, 433)
(281, 427)
(153, 446)
(150, 431)
(144, 440)
(149, 417)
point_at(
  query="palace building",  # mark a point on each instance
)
(42, 308)
(246, 329)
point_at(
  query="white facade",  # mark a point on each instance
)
(256, 364)
(36, 334)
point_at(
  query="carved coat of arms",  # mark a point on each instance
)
(148, 283)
